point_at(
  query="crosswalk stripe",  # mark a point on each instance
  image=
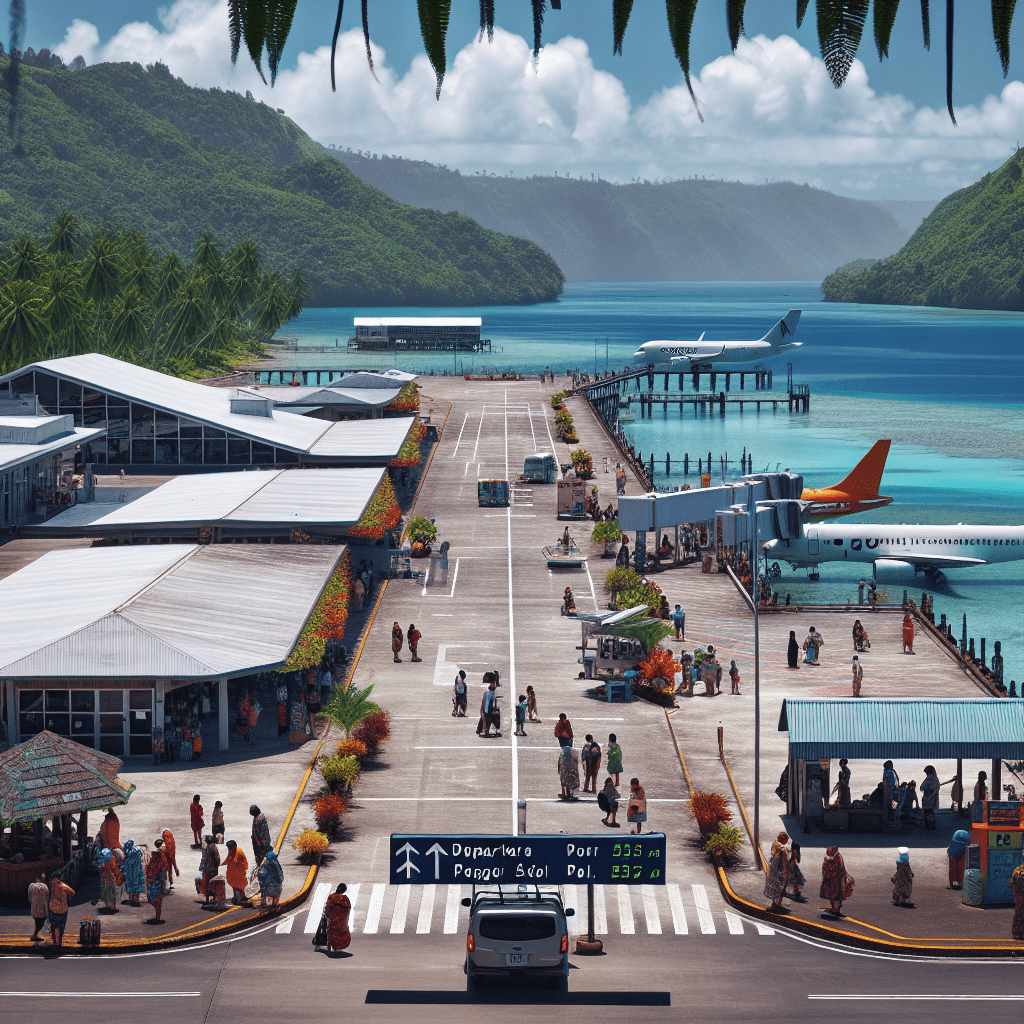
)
(316, 907)
(571, 899)
(452, 908)
(373, 908)
(600, 911)
(626, 925)
(401, 910)
(426, 910)
(675, 901)
(651, 910)
(763, 929)
(284, 927)
(353, 897)
(735, 924)
(700, 898)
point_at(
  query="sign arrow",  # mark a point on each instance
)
(408, 867)
(438, 854)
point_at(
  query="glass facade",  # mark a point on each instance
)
(117, 722)
(140, 435)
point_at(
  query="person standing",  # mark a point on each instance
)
(169, 855)
(778, 863)
(531, 705)
(890, 789)
(794, 876)
(195, 812)
(836, 884)
(980, 796)
(568, 772)
(858, 675)
(908, 634)
(1016, 884)
(793, 654)
(209, 865)
(636, 809)
(679, 621)
(337, 908)
(39, 901)
(591, 755)
(60, 893)
(217, 821)
(110, 831)
(110, 878)
(261, 844)
(521, 715)
(734, 677)
(812, 645)
(134, 876)
(397, 639)
(614, 757)
(271, 878)
(156, 873)
(413, 638)
(930, 795)
(563, 731)
(957, 853)
(460, 695)
(620, 479)
(236, 869)
(903, 880)
(489, 714)
(197, 744)
(608, 801)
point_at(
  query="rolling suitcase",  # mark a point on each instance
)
(217, 890)
(89, 931)
(320, 938)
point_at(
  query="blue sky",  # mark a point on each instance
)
(767, 111)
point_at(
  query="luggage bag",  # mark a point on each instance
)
(89, 931)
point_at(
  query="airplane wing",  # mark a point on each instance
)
(702, 358)
(940, 561)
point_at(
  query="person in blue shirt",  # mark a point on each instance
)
(679, 620)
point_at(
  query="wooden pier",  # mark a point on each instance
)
(797, 400)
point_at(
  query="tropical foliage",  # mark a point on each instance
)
(409, 454)
(841, 25)
(81, 289)
(967, 253)
(556, 400)
(407, 400)
(422, 530)
(311, 845)
(650, 634)
(583, 463)
(724, 841)
(658, 664)
(710, 810)
(326, 622)
(328, 809)
(351, 748)
(606, 532)
(135, 147)
(374, 730)
(346, 708)
(381, 514)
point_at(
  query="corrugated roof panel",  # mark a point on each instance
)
(417, 321)
(313, 496)
(12, 455)
(333, 395)
(364, 439)
(906, 728)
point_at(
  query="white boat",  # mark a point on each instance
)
(566, 556)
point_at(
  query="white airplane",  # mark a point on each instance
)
(681, 355)
(897, 551)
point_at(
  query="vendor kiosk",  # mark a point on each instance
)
(996, 847)
(572, 499)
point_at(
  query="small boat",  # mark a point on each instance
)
(566, 556)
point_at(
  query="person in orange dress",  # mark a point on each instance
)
(413, 639)
(110, 831)
(908, 634)
(337, 909)
(195, 810)
(169, 856)
(236, 870)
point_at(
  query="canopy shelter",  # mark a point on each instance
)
(52, 777)
(901, 728)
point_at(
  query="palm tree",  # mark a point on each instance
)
(27, 262)
(190, 316)
(243, 262)
(207, 256)
(24, 331)
(102, 271)
(65, 234)
(347, 707)
(64, 310)
(131, 317)
(170, 277)
(272, 306)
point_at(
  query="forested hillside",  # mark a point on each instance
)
(969, 253)
(138, 149)
(692, 230)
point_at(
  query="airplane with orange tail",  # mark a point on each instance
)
(857, 492)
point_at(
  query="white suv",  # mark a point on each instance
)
(517, 932)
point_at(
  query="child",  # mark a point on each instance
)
(903, 880)
(531, 705)
(217, 822)
(195, 810)
(521, 715)
(413, 638)
(734, 675)
(858, 675)
(614, 758)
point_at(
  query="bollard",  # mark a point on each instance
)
(721, 743)
(963, 639)
(591, 944)
(521, 815)
(942, 622)
(668, 463)
(970, 649)
(982, 652)
(686, 464)
(1013, 687)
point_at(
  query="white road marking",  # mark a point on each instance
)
(316, 906)
(373, 909)
(426, 910)
(763, 929)
(700, 897)
(651, 910)
(478, 429)
(675, 901)
(570, 898)
(101, 995)
(401, 910)
(285, 926)
(927, 996)
(451, 593)
(353, 897)
(626, 925)
(511, 645)
(735, 924)
(452, 908)
(459, 440)
(600, 911)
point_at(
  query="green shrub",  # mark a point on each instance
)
(621, 579)
(725, 840)
(422, 529)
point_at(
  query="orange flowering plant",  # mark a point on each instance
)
(407, 400)
(327, 620)
(658, 663)
(381, 514)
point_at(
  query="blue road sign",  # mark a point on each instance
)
(532, 859)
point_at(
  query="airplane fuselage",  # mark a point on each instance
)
(677, 353)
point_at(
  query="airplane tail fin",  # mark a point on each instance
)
(866, 477)
(783, 330)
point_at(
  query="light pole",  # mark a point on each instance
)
(757, 680)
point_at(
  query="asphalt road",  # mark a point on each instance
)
(275, 977)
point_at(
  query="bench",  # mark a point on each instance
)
(618, 688)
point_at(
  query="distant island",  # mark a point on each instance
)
(136, 148)
(968, 254)
(688, 230)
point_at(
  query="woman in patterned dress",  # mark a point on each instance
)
(134, 875)
(836, 884)
(1016, 884)
(110, 878)
(775, 886)
(337, 909)
(903, 880)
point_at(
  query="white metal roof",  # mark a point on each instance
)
(288, 397)
(182, 397)
(366, 439)
(417, 321)
(13, 455)
(160, 611)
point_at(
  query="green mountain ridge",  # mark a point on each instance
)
(137, 148)
(968, 253)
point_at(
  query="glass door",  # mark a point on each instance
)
(140, 722)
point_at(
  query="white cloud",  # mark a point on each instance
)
(770, 110)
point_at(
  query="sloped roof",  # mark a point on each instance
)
(333, 394)
(49, 775)
(159, 611)
(364, 440)
(979, 727)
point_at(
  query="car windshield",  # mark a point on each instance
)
(517, 927)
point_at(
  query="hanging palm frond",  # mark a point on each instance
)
(279, 23)
(486, 20)
(254, 32)
(14, 66)
(621, 10)
(538, 26)
(434, 16)
(734, 16)
(235, 27)
(926, 26)
(949, 60)
(885, 15)
(680, 23)
(840, 26)
(801, 10)
(1002, 19)
(366, 41)
(334, 42)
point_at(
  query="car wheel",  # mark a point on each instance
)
(471, 982)
(560, 984)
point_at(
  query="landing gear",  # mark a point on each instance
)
(812, 572)
(935, 576)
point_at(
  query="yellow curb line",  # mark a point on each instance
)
(298, 795)
(679, 753)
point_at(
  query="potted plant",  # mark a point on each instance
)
(606, 532)
(422, 533)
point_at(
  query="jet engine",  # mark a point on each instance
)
(893, 570)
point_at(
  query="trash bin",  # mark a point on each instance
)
(974, 888)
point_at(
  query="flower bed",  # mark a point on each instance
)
(409, 454)
(582, 463)
(327, 621)
(407, 400)
(381, 514)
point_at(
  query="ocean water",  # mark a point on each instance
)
(945, 385)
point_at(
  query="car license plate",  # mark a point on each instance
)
(517, 959)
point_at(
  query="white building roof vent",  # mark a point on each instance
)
(251, 405)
